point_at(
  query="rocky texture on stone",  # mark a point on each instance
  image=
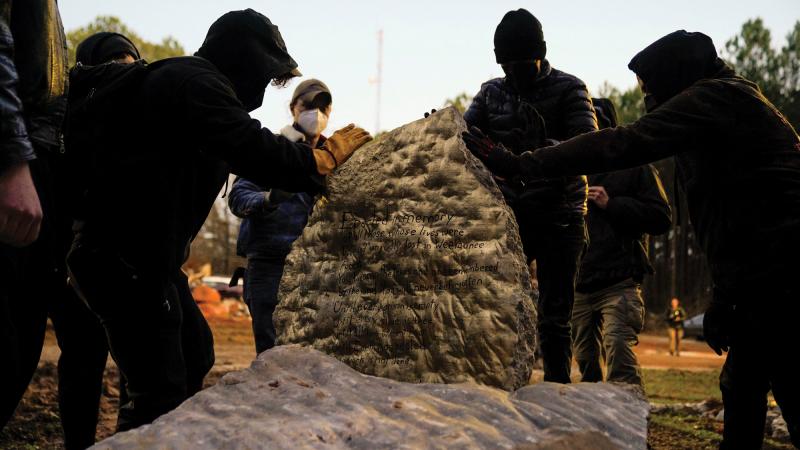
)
(414, 269)
(294, 397)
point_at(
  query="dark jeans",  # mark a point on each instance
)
(760, 358)
(557, 248)
(261, 284)
(156, 333)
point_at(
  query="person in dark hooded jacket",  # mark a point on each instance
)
(738, 163)
(191, 126)
(534, 104)
(625, 207)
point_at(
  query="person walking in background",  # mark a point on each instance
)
(533, 105)
(625, 208)
(675, 317)
(272, 218)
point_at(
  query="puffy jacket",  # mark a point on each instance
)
(563, 102)
(618, 235)
(33, 78)
(272, 219)
(737, 160)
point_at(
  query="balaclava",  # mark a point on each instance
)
(249, 50)
(673, 63)
(100, 47)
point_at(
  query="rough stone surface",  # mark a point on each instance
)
(414, 269)
(295, 397)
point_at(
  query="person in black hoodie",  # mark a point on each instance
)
(148, 196)
(532, 105)
(738, 163)
(624, 208)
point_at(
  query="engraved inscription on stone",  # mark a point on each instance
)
(413, 270)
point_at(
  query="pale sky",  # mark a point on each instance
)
(434, 50)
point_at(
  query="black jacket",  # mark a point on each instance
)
(179, 136)
(564, 104)
(737, 160)
(618, 235)
(33, 79)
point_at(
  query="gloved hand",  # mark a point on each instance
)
(497, 158)
(428, 114)
(717, 325)
(339, 147)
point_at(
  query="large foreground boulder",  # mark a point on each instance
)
(414, 269)
(294, 397)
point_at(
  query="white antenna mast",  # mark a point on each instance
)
(379, 83)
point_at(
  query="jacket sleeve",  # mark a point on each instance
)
(224, 129)
(690, 120)
(14, 144)
(247, 199)
(648, 211)
(579, 113)
(475, 115)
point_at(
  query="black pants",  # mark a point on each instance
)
(81, 366)
(761, 358)
(557, 248)
(30, 278)
(156, 333)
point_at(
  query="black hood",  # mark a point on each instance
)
(675, 62)
(100, 47)
(606, 113)
(249, 50)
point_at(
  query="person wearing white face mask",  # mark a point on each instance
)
(274, 219)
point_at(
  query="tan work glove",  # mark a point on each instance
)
(338, 148)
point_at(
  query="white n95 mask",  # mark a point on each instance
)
(312, 121)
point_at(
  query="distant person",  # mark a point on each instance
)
(148, 195)
(675, 317)
(738, 162)
(272, 218)
(33, 86)
(625, 208)
(532, 105)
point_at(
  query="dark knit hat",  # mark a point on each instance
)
(100, 47)
(519, 37)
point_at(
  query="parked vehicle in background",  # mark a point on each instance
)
(221, 284)
(693, 327)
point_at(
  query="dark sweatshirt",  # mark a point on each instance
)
(737, 160)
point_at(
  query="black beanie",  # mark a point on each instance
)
(518, 37)
(100, 47)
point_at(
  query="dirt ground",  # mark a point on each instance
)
(688, 378)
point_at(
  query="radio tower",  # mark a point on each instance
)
(379, 83)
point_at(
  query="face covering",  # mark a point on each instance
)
(650, 102)
(313, 122)
(521, 75)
